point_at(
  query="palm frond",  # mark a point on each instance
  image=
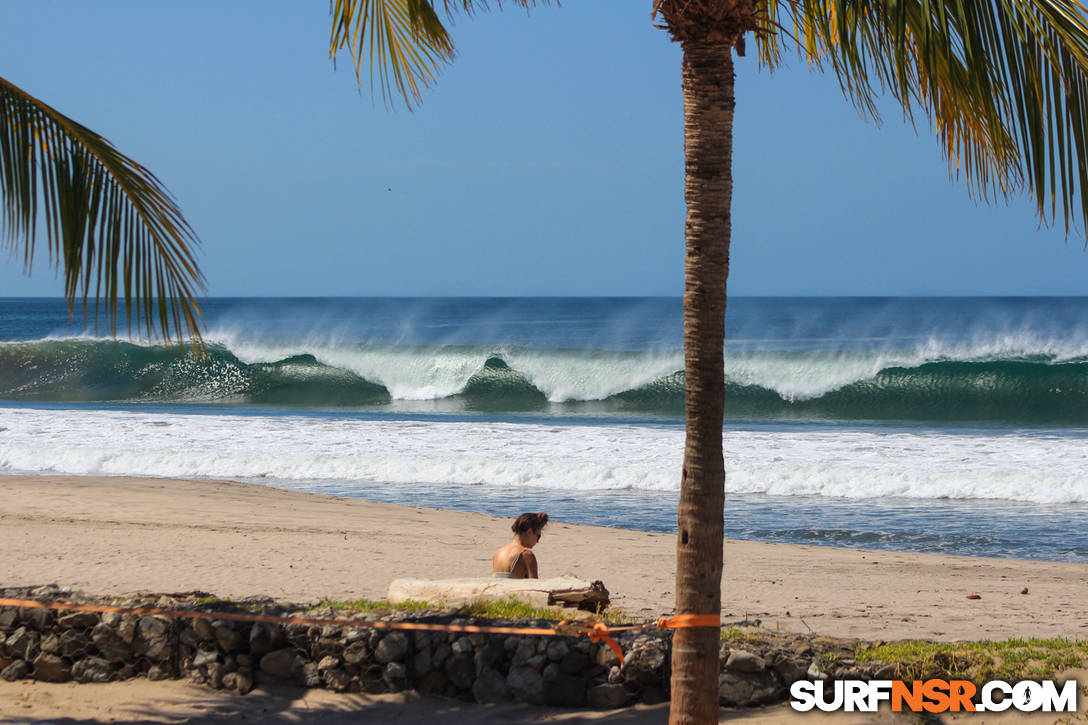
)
(403, 42)
(110, 226)
(1004, 82)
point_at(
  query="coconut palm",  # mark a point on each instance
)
(110, 226)
(1003, 83)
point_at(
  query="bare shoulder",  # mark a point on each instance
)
(528, 555)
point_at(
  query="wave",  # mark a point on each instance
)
(1032, 387)
(342, 454)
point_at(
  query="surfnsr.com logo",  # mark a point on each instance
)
(933, 696)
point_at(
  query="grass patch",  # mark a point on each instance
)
(507, 609)
(1011, 659)
(372, 605)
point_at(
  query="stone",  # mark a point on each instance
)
(309, 676)
(243, 681)
(461, 670)
(50, 644)
(526, 685)
(126, 628)
(8, 618)
(188, 638)
(607, 697)
(240, 682)
(557, 650)
(337, 680)
(743, 661)
(615, 675)
(204, 630)
(75, 644)
(328, 662)
(421, 663)
(356, 652)
(490, 687)
(39, 619)
(792, 669)
(478, 639)
(749, 688)
(279, 663)
(111, 618)
(886, 672)
(264, 638)
(50, 668)
(526, 649)
(158, 671)
(357, 634)
(109, 643)
(227, 639)
(22, 643)
(392, 647)
(324, 647)
(653, 695)
(605, 657)
(17, 670)
(489, 655)
(575, 662)
(638, 677)
(395, 676)
(203, 657)
(441, 652)
(461, 646)
(371, 678)
(214, 673)
(564, 690)
(152, 638)
(649, 654)
(80, 620)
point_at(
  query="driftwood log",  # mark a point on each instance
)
(564, 590)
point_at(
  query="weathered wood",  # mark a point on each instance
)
(564, 591)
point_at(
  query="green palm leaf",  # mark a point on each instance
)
(403, 42)
(110, 225)
(1004, 82)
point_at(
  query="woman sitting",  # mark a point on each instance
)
(516, 560)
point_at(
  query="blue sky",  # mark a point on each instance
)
(547, 161)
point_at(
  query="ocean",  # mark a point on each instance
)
(950, 425)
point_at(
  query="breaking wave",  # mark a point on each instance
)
(1029, 386)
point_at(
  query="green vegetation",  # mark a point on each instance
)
(1011, 659)
(509, 608)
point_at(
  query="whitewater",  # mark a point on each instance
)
(950, 425)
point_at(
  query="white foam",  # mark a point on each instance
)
(302, 450)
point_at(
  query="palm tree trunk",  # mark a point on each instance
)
(708, 190)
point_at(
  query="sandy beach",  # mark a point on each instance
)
(123, 535)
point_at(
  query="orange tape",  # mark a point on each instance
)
(690, 620)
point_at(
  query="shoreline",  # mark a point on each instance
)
(121, 535)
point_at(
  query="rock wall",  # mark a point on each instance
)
(59, 646)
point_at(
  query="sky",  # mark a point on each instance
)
(547, 160)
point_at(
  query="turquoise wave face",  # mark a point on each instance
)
(1035, 390)
(86, 371)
